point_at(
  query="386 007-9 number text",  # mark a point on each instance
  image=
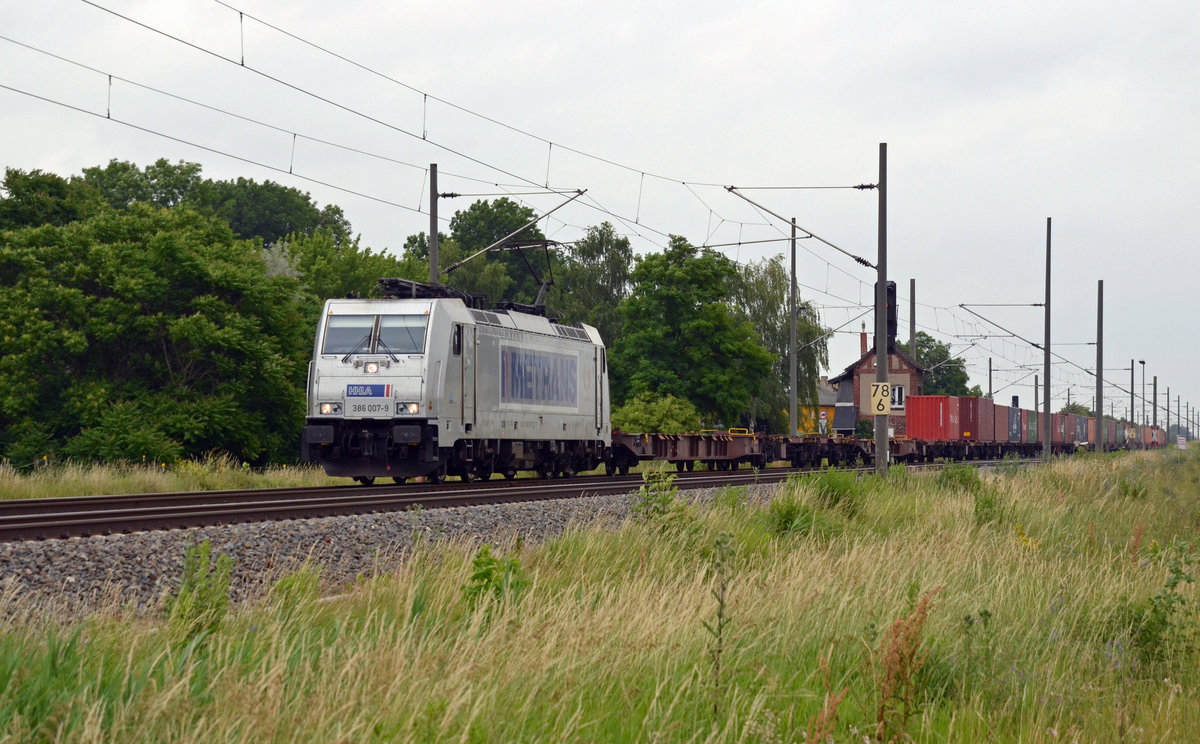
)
(371, 407)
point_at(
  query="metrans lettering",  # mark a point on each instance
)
(368, 391)
(538, 377)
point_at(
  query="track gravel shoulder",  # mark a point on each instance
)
(76, 576)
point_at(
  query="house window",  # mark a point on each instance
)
(897, 397)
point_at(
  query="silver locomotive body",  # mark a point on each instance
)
(410, 387)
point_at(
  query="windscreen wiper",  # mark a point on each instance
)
(354, 349)
(388, 349)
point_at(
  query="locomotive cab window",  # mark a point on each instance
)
(402, 334)
(457, 342)
(375, 334)
(348, 334)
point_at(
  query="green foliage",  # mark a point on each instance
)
(480, 225)
(333, 266)
(683, 338)
(864, 428)
(663, 414)
(657, 498)
(296, 589)
(759, 293)
(840, 489)
(989, 506)
(788, 514)
(592, 277)
(1162, 629)
(35, 198)
(957, 476)
(731, 498)
(494, 579)
(164, 336)
(722, 560)
(945, 375)
(1078, 409)
(202, 601)
(162, 184)
(267, 211)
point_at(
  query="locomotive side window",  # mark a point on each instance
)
(457, 343)
(402, 334)
(348, 334)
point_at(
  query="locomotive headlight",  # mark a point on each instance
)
(372, 368)
(410, 409)
(331, 409)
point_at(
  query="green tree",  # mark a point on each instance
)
(944, 374)
(329, 267)
(162, 184)
(1078, 409)
(663, 414)
(592, 277)
(482, 224)
(35, 198)
(682, 338)
(761, 295)
(266, 210)
(147, 332)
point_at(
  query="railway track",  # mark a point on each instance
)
(32, 519)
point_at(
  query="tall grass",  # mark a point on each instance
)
(902, 617)
(216, 472)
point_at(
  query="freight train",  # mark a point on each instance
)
(427, 382)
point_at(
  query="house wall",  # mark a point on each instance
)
(899, 373)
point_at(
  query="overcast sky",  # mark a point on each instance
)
(996, 116)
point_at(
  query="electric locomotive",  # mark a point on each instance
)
(426, 382)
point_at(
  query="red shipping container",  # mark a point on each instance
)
(1091, 434)
(978, 419)
(932, 418)
(1000, 425)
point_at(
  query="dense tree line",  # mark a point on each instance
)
(152, 313)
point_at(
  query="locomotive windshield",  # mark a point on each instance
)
(369, 334)
(402, 334)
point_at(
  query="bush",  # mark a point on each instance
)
(653, 413)
(657, 498)
(840, 489)
(958, 477)
(494, 579)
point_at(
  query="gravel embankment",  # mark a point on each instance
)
(135, 571)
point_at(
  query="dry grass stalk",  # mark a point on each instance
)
(900, 658)
(822, 724)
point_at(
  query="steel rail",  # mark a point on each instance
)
(30, 519)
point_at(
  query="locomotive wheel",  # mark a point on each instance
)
(679, 466)
(510, 473)
(689, 465)
(366, 480)
(466, 476)
(437, 475)
(398, 479)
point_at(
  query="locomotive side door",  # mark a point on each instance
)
(468, 375)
